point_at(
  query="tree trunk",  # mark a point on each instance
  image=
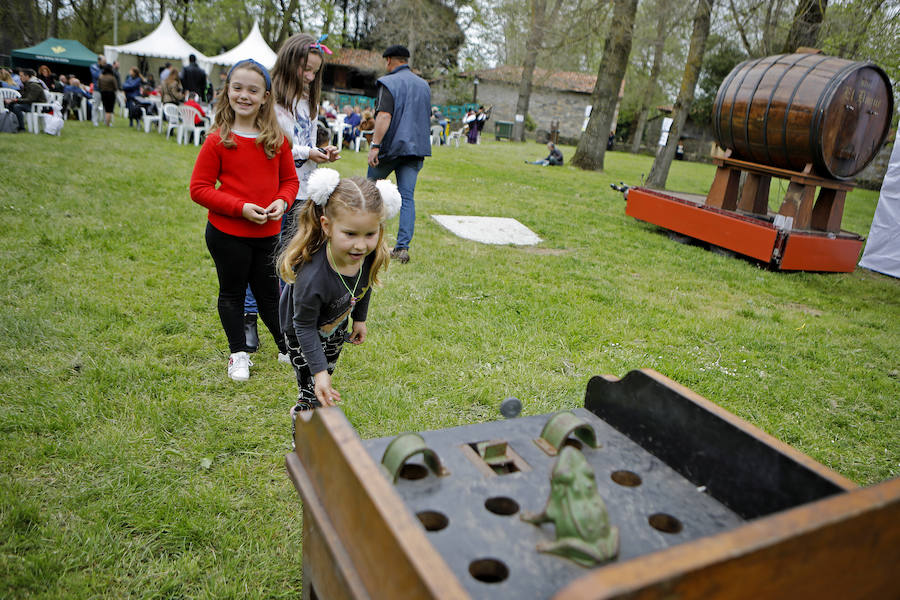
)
(739, 23)
(659, 172)
(286, 22)
(54, 18)
(806, 25)
(863, 31)
(616, 50)
(411, 40)
(662, 32)
(535, 39)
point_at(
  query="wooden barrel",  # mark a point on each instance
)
(793, 109)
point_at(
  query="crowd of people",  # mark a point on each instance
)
(188, 86)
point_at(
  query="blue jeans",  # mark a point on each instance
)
(406, 169)
(250, 302)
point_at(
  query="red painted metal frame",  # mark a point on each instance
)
(746, 235)
(804, 252)
(749, 237)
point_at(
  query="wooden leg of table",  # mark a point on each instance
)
(724, 190)
(829, 208)
(798, 203)
(755, 195)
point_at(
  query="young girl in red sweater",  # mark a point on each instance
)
(250, 158)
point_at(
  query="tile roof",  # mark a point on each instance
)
(558, 80)
(364, 60)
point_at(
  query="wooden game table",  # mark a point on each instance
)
(707, 506)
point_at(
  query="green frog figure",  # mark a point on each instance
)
(583, 533)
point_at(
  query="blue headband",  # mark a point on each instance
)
(265, 71)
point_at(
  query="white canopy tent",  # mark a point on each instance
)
(163, 45)
(253, 46)
(882, 251)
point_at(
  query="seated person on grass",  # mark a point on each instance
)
(554, 159)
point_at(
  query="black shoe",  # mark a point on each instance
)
(401, 255)
(251, 336)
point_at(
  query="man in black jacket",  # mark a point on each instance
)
(193, 78)
(32, 92)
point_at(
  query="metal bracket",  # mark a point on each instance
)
(558, 429)
(405, 446)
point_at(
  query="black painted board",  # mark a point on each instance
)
(741, 471)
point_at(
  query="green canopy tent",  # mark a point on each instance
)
(62, 56)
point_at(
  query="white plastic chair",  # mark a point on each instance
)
(82, 109)
(7, 94)
(456, 135)
(188, 128)
(150, 119)
(338, 128)
(122, 103)
(436, 131)
(362, 138)
(33, 117)
(171, 115)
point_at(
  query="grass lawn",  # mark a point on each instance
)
(131, 466)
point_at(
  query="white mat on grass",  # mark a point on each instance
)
(489, 230)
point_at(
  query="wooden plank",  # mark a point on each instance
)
(828, 210)
(724, 189)
(755, 195)
(369, 519)
(326, 565)
(798, 203)
(798, 176)
(846, 546)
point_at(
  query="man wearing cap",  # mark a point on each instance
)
(402, 137)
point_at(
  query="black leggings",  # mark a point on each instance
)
(239, 261)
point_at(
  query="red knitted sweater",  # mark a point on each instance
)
(245, 175)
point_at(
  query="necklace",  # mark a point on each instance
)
(353, 298)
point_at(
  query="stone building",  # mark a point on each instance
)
(555, 96)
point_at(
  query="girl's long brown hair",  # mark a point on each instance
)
(353, 194)
(287, 83)
(270, 137)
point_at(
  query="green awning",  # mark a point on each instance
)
(55, 50)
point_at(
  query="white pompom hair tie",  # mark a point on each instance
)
(390, 197)
(321, 185)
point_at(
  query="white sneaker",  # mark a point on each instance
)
(284, 357)
(239, 365)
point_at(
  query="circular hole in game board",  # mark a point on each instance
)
(665, 523)
(574, 443)
(413, 471)
(432, 520)
(626, 478)
(488, 570)
(501, 505)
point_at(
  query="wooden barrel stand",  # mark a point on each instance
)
(808, 211)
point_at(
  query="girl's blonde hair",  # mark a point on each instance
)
(353, 194)
(287, 82)
(270, 137)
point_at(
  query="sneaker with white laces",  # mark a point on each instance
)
(239, 365)
(284, 357)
